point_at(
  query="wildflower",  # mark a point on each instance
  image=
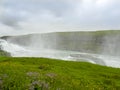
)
(39, 85)
(51, 75)
(32, 74)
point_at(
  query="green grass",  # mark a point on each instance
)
(50, 74)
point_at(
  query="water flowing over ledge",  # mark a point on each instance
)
(96, 47)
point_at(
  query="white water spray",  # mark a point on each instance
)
(36, 49)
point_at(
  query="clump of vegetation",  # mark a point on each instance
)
(50, 74)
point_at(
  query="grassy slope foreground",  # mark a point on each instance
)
(50, 74)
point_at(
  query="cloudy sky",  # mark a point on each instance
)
(39, 16)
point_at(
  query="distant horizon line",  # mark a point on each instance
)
(58, 32)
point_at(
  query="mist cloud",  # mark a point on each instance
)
(39, 16)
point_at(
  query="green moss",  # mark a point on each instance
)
(50, 74)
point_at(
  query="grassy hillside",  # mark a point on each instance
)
(50, 74)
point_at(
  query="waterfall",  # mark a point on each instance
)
(97, 48)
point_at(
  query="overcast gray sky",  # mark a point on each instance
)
(39, 16)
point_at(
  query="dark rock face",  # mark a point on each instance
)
(100, 42)
(3, 53)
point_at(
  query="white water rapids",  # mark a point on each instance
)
(20, 51)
